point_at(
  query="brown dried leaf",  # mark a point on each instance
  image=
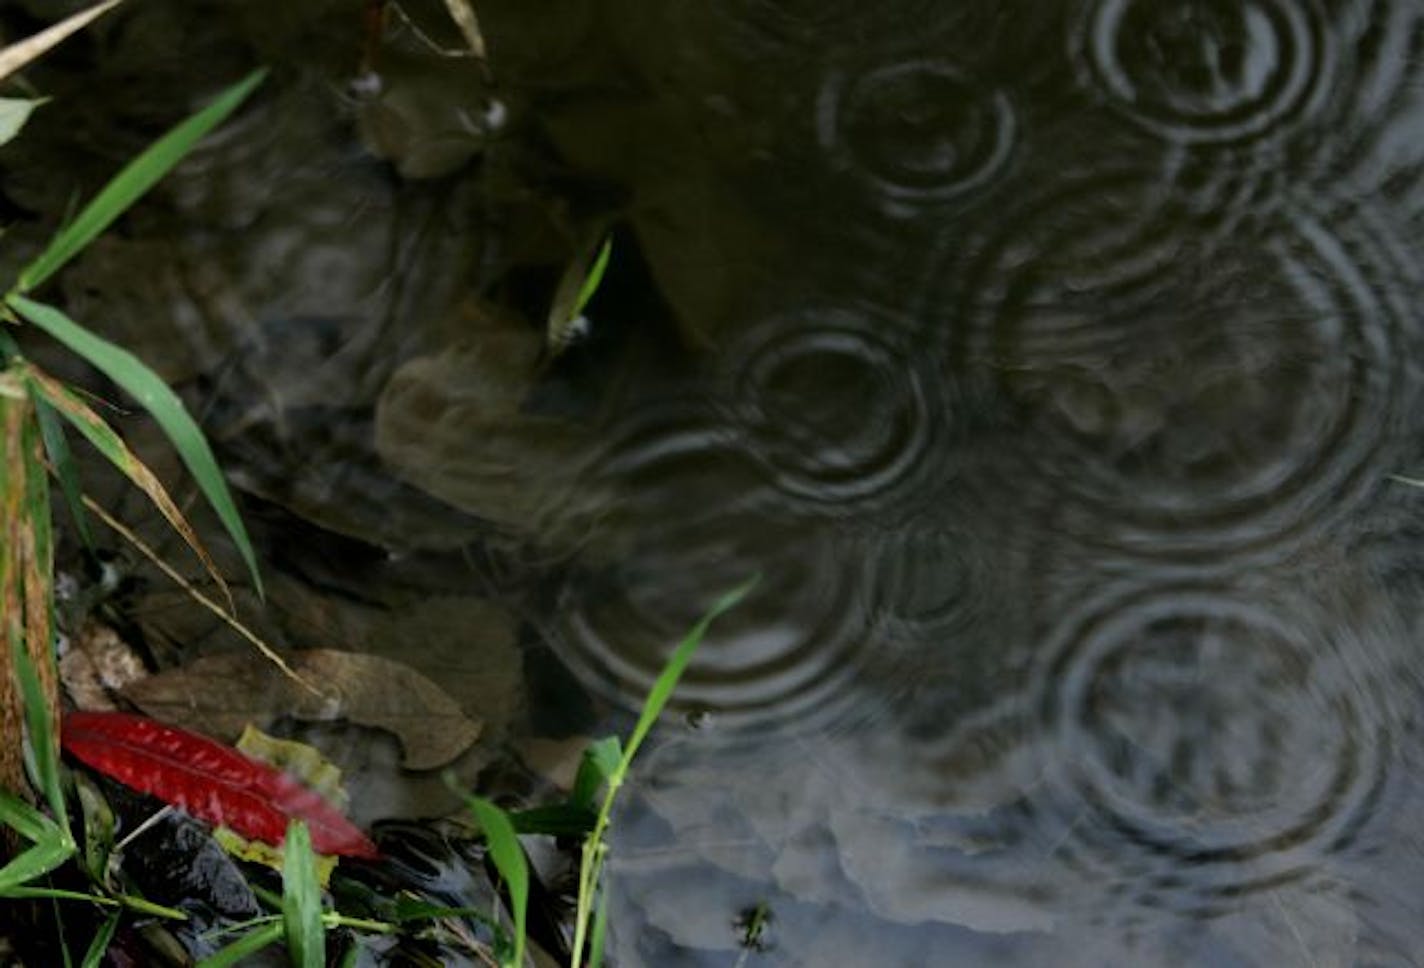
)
(219, 695)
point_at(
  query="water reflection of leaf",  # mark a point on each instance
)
(221, 694)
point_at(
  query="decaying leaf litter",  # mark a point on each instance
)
(300, 681)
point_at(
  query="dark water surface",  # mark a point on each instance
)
(1050, 360)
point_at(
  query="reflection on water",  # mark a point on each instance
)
(1049, 360)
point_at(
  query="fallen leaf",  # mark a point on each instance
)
(306, 764)
(213, 782)
(221, 694)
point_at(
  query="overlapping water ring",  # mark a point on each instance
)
(1207, 71)
(1213, 394)
(839, 411)
(1207, 743)
(789, 656)
(918, 130)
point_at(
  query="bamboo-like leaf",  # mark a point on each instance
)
(24, 819)
(301, 900)
(48, 853)
(14, 112)
(19, 54)
(600, 932)
(132, 182)
(40, 675)
(170, 413)
(576, 287)
(14, 413)
(98, 828)
(599, 761)
(509, 860)
(44, 738)
(244, 947)
(61, 458)
(667, 680)
(100, 945)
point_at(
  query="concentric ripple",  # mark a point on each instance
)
(1196, 398)
(918, 130)
(1203, 741)
(788, 656)
(1206, 71)
(839, 412)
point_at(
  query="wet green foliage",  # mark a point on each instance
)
(301, 900)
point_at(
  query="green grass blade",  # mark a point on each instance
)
(244, 947)
(24, 819)
(100, 945)
(47, 854)
(14, 112)
(301, 900)
(60, 894)
(44, 739)
(509, 860)
(558, 820)
(145, 386)
(597, 765)
(599, 933)
(672, 672)
(594, 278)
(130, 184)
(61, 458)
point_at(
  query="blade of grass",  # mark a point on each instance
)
(130, 184)
(599, 761)
(100, 945)
(36, 546)
(672, 672)
(594, 279)
(59, 931)
(600, 932)
(594, 848)
(580, 280)
(44, 738)
(14, 412)
(511, 863)
(243, 948)
(24, 819)
(171, 415)
(301, 900)
(48, 853)
(61, 458)
(19, 54)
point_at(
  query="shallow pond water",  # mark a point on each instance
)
(1054, 364)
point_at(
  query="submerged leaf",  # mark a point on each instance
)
(211, 781)
(221, 694)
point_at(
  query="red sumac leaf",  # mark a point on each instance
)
(211, 781)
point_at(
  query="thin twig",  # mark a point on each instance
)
(203, 600)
